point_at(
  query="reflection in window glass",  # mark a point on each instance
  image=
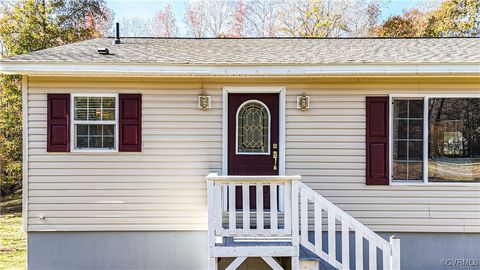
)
(94, 108)
(408, 139)
(253, 128)
(454, 140)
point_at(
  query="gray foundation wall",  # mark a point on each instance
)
(188, 250)
(117, 250)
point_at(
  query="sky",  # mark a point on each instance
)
(147, 8)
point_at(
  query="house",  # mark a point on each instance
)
(145, 153)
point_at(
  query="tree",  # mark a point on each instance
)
(329, 18)
(237, 28)
(208, 18)
(30, 25)
(411, 23)
(311, 19)
(262, 18)
(26, 26)
(135, 26)
(10, 135)
(361, 17)
(452, 18)
(195, 19)
(455, 18)
(164, 23)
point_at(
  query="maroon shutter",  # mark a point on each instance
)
(130, 123)
(58, 123)
(377, 141)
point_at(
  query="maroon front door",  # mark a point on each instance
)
(253, 146)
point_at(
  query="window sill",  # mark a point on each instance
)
(93, 151)
(434, 184)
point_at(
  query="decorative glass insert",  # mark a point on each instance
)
(94, 122)
(454, 140)
(407, 139)
(253, 128)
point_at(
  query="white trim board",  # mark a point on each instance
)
(123, 69)
(25, 152)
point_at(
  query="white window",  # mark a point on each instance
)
(407, 139)
(94, 122)
(436, 139)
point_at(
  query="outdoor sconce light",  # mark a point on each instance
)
(303, 102)
(204, 101)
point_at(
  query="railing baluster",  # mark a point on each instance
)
(232, 226)
(387, 252)
(273, 209)
(303, 215)
(246, 208)
(331, 235)
(372, 255)
(218, 207)
(259, 207)
(345, 244)
(318, 227)
(295, 229)
(358, 250)
(287, 219)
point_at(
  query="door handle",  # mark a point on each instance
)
(275, 156)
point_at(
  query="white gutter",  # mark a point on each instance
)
(237, 70)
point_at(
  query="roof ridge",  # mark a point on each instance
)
(292, 38)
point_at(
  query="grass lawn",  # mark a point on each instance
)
(12, 238)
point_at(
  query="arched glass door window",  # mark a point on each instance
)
(253, 128)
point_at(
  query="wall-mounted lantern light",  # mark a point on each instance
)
(204, 101)
(303, 102)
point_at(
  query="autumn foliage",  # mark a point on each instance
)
(26, 26)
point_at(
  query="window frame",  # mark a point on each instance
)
(426, 98)
(74, 122)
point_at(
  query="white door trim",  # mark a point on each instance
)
(281, 90)
(281, 125)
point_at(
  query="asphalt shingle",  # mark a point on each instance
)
(263, 51)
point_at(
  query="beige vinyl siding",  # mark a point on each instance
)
(163, 187)
(326, 145)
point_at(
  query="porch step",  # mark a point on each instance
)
(253, 251)
(232, 242)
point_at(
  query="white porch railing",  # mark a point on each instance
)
(302, 210)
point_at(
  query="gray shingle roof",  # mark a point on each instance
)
(263, 51)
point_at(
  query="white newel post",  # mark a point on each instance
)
(212, 262)
(395, 262)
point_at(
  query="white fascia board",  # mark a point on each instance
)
(236, 70)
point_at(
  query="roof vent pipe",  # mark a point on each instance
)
(117, 34)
